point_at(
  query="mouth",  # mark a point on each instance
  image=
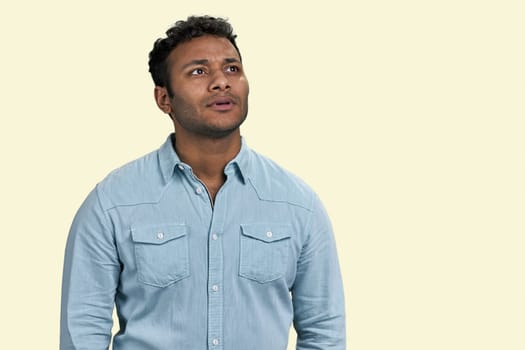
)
(221, 103)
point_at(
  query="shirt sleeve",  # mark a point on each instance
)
(90, 278)
(317, 293)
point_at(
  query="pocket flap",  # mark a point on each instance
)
(267, 232)
(158, 234)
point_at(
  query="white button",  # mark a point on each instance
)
(198, 190)
(215, 287)
(269, 234)
(214, 236)
(160, 235)
(215, 341)
(181, 167)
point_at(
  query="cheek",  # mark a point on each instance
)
(183, 101)
(244, 87)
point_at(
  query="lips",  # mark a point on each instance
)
(221, 103)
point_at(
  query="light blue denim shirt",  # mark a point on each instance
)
(188, 275)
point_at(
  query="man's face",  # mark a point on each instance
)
(210, 90)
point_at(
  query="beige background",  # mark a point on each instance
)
(405, 116)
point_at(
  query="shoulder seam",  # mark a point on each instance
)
(310, 208)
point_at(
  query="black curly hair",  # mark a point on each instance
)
(180, 32)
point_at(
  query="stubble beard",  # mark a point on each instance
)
(186, 118)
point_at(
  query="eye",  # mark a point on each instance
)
(233, 69)
(197, 71)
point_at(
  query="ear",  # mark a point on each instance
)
(163, 99)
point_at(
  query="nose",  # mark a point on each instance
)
(219, 82)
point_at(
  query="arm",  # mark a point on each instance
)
(90, 278)
(317, 294)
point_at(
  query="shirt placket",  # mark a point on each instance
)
(215, 285)
(215, 273)
(215, 264)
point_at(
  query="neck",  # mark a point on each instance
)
(207, 156)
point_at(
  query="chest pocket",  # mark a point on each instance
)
(264, 251)
(161, 253)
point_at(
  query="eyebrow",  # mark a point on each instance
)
(231, 60)
(203, 62)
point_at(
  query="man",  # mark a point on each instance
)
(202, 244)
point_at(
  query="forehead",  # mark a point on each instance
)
(207, 47)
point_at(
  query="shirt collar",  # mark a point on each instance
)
(241, 162)
(168, 160)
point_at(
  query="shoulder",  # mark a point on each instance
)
(139, 181)
(272, 182)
